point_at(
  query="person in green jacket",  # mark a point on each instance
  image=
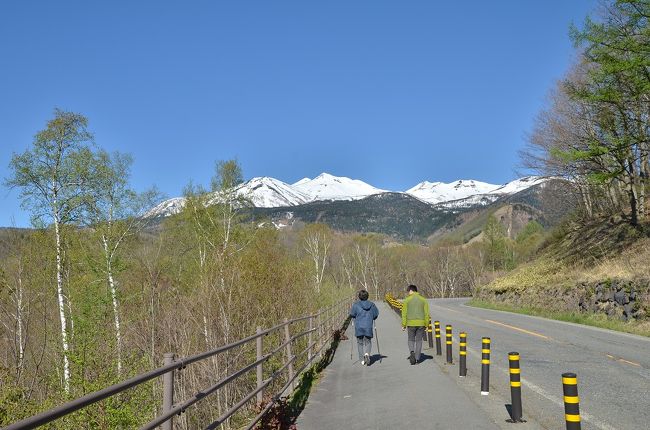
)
(415, 316)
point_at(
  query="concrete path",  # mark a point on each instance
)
(390, 394)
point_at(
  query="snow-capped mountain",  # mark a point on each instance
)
(519, 185)
(438, 192)
(266, 192)
(329, 187)
(166, 208)
(263, 192)
(302, 181)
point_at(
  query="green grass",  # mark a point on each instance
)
(591, 319)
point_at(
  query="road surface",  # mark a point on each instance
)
(613, 368)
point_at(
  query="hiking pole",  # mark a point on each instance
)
(377, 339)
(351, 346)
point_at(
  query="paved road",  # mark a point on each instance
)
(390, 394)
(613, 368)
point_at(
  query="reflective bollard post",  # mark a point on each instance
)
(485, 366)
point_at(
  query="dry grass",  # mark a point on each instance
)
(630, 264)
(538, 274)
(593, 253)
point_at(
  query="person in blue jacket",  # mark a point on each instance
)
(364, 313)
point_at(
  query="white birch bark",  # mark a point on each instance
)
(116, 314)
(61, 303)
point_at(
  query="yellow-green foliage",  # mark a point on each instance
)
(540, 273)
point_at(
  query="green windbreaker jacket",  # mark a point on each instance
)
(415, 311)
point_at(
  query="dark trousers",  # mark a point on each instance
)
(416, 334)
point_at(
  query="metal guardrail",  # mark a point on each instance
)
(323, 323)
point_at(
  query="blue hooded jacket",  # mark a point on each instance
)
(364, 313)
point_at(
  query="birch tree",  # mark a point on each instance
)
(115, 213)
(55, 178)
(317, 239)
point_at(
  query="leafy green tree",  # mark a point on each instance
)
(494, 239)
(528, 240)
(55, 177)
(616, 85)
(596, 131)
(115, 214)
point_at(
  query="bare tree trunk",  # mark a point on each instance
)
(61, 303)
(348, 271)
(632, 192)
(116, 314)
(19, 318)
(643, 178)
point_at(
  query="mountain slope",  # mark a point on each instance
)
(395, 214)
(268, 192)
(263, 192)
(546, 202)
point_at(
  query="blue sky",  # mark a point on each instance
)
(389, 92)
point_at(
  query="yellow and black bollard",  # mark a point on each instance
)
(430, 334)
(450, 359)
(462, 369)
(485, 366)
(436, 324)
(571, 401)
(515, 387)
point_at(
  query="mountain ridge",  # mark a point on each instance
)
(268, 192)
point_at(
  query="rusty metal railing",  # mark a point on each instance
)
(323, 324)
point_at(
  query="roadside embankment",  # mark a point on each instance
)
(610, 290)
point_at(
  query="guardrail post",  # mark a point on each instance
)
(571, 401)
(319, 325)
(450, 359)
(260, 370)
(438, 345)
(168, 391)
(485, 366)
(310, 339)
(515, 386)
(462, 369)
(287, 338)
(430, 334)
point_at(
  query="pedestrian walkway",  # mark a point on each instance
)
(390, 394)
